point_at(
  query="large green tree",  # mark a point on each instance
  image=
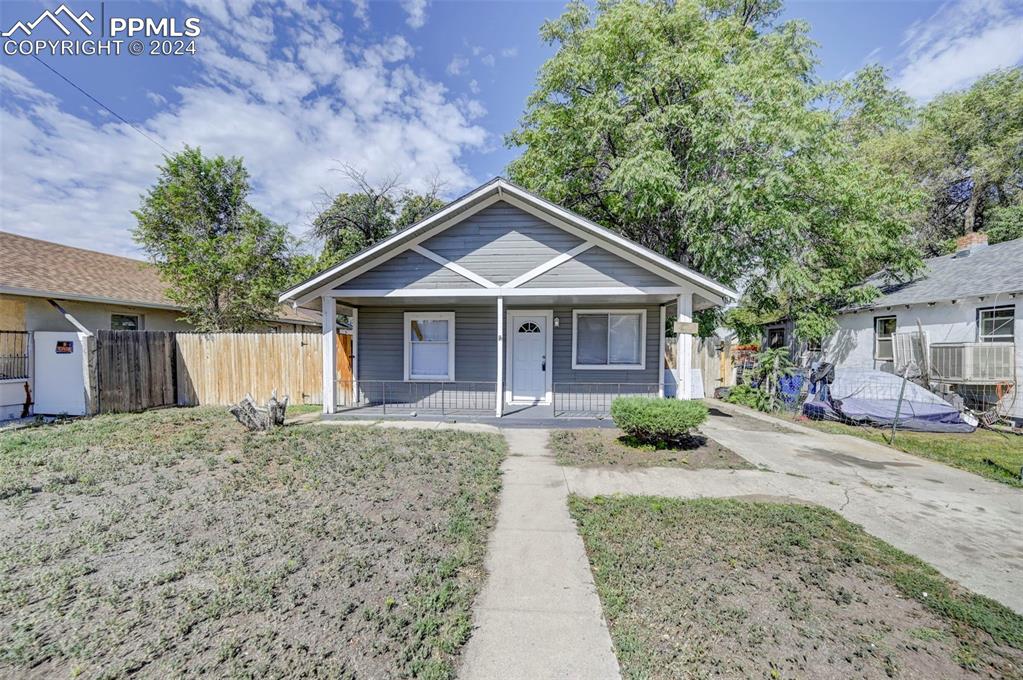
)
(355, 220)
(966, 153)
(224, 262)
(698, 129)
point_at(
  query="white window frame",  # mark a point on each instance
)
(140, 326)
(407, 319)
(981, 311)
(891, 338)
(609, 367)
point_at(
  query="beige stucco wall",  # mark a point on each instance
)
(12, 314)
(39, 315)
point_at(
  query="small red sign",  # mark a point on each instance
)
(65, 347)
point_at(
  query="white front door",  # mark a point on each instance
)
(529, 360)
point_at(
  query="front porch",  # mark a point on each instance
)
(514, 361)
(475, 400)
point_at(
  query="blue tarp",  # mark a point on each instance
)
(869, 397)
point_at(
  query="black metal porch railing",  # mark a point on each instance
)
(13, 354)
(398, 397)
(593, 400)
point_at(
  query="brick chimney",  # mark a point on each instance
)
(971, 241)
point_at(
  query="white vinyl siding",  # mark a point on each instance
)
(429, 346)
(603, 339)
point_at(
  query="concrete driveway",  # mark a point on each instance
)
(967, 527)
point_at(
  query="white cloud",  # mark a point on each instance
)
(293, 113)
(457, 65)
(488, 60)
(474, 86)
(156, 98)
(509, 52)
(361, 11)
(961, 41)
(416, 10)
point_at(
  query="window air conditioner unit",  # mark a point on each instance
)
(973, 363)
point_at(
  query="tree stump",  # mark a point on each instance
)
(259, 419)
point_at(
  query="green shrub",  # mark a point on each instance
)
(657, 421)
(744, 395)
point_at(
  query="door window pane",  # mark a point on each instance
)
(591, 337)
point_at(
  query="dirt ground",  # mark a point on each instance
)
(722, 588)
(591, 447)
(173, 543)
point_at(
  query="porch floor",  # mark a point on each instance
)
(540, 415)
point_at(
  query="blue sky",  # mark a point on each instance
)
(423, 88)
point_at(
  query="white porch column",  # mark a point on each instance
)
(661, 352)
(684, 348)
(329, 349)
(499, 411)
(355, 355)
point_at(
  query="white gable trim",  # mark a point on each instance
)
(535, 205)
(456, 268)
(550, 264)
(381, 257)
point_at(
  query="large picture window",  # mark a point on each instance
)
(429, 346)
(995, 324)
(884, 329)
(614, 339)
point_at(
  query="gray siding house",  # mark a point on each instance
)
(502, 301)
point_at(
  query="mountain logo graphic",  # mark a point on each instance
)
(78, 20)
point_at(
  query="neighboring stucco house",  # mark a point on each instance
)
(503, 300)
(969, 306)
(47, 286)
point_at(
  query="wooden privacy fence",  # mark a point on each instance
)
(134, 370)
(220, 368)
(137, 370)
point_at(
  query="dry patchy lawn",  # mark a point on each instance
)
(174, 543)
(724, 588)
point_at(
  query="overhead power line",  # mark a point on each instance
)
(110, 110)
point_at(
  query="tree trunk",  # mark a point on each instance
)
(970, 218)
(260, 419)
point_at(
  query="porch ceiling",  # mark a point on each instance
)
(518, 300)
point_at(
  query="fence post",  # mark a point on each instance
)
(898, 405)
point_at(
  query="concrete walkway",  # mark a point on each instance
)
(967, 527)
(538, 615)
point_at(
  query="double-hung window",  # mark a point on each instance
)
(609, 339)
(995, 324)
(429, 346)
(775, 338)
(884, 329)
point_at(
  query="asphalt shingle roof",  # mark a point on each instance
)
(985, 271)
(39, 268)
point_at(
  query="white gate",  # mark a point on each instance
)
(59, 373)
